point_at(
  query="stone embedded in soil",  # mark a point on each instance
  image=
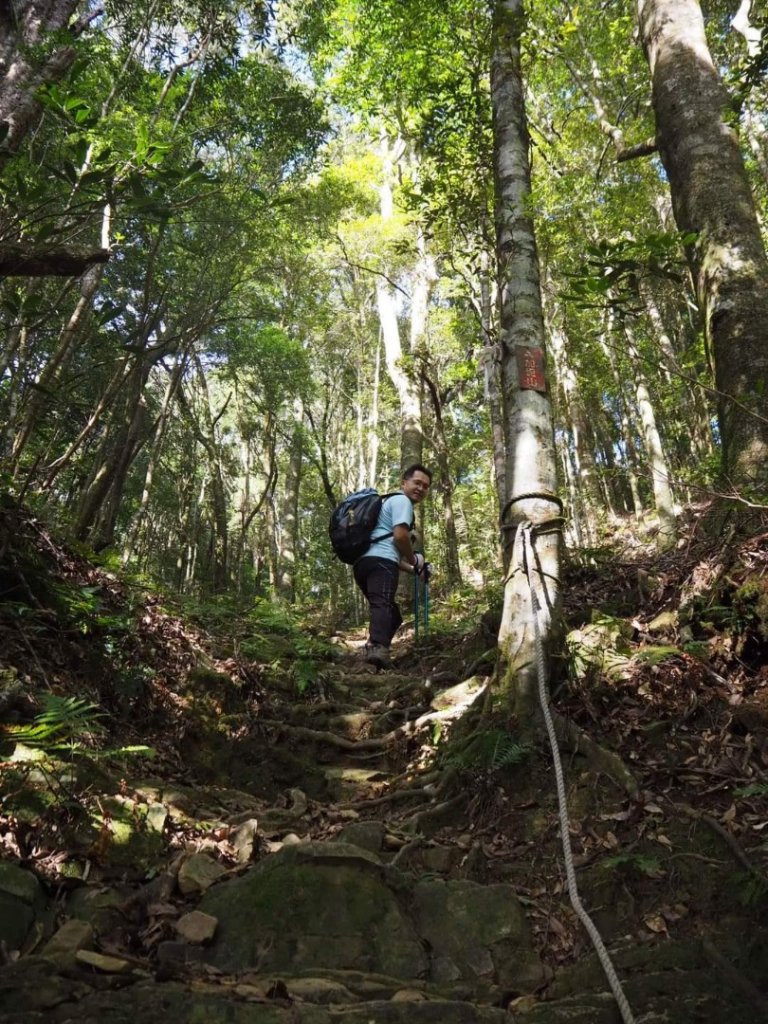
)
(198, 873)
(368, 835)
(21, 899)
(197, 927)
(21, 884)
(437, 858)
(72, 936)
(172, 952)
(318, 905)
(106, 964)
(476, 932)
(409, 995)
(98, 905)
(320, 990)
(244, 839)
(157, 815)
(336, 906)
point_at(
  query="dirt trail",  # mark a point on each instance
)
(373, 889)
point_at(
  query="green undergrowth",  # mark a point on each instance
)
(489, 750)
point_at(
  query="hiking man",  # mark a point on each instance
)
(376, 571)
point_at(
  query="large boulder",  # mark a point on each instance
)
(476, 933)
(315, 905)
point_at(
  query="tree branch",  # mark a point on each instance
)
(638, 150)
(18, 261)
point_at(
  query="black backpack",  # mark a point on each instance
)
(353, 521)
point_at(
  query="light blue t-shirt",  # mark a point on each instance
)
(395, 511)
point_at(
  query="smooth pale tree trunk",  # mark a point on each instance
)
(627, 432)
(360, 426)
(424, 279)
(711, 196)
(411, 432)
(289, 509)
(531, 466)
(754, 128)
(251, 507)
(189, 538)
(611, 490)
(140, 519)
(219, 502)
(373, 420)
(663, 495)
(695, 406)
(581, 455)
(452, 570)
(573, 526)
(583, 488)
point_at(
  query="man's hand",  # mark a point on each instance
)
(419, 564)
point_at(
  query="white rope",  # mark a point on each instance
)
(586, 920)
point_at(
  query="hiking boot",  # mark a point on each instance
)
(377, 654)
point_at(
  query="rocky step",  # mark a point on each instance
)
(329, 932)
(674, 982)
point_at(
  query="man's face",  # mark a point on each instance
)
(416, 487)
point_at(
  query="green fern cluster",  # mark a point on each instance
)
(753, 789)
(491, 750)
(64, 724)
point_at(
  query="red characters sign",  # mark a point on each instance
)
(530, 368)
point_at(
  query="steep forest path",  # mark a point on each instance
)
(346, 877)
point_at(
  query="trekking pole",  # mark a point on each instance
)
(416, 608)
(426, 609)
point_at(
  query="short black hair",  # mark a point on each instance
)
(417, 468)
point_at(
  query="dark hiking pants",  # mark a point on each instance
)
(378, 579)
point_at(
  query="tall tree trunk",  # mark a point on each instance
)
(452, 565)
(754, 129)
(33, 52)
(582, 456)
(373, 420)
(140, 518)
(103, 532)
(711, 197)
(695, 418)
(627, 433)
(219, 503)
(663, 496)
(119, 447)
(531, 466)
(411, 434)
(289, 509)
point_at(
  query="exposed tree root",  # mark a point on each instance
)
(572, 738)
(403, 852)
(388, 798)
(416, 822)
(373, 743)
(727, 838)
